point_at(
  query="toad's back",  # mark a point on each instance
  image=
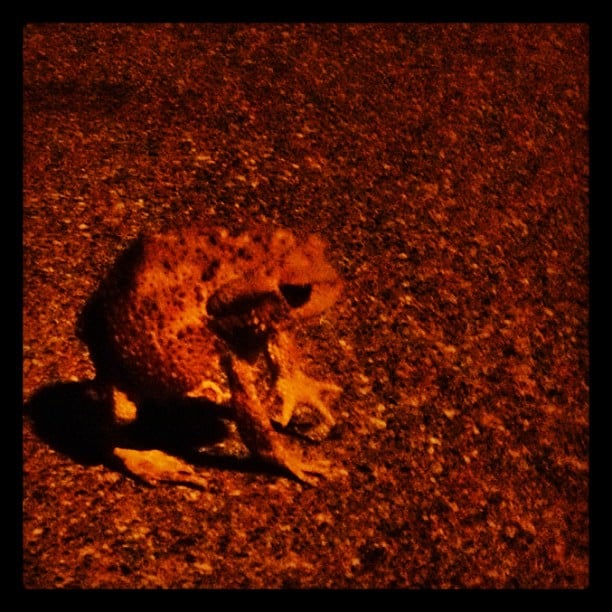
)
(155, 306)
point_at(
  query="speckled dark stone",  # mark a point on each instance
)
(447, 164)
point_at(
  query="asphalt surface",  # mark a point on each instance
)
(447, 165)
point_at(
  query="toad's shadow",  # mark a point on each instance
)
(75, 419)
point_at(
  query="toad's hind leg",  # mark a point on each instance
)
(150, 466)
(154, 467)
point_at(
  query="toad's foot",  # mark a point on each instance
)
(294, 387)
(300, 388)
(154, 466)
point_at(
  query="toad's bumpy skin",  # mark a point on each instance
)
(205, 315)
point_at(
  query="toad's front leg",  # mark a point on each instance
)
(294, 386)
(256, 430)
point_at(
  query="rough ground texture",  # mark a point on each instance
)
(448, 167)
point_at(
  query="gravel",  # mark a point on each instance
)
(448, 167)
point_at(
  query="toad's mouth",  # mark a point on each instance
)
(246, 321)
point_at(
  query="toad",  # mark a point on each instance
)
(206, 315)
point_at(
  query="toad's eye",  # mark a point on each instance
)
(296, 295)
